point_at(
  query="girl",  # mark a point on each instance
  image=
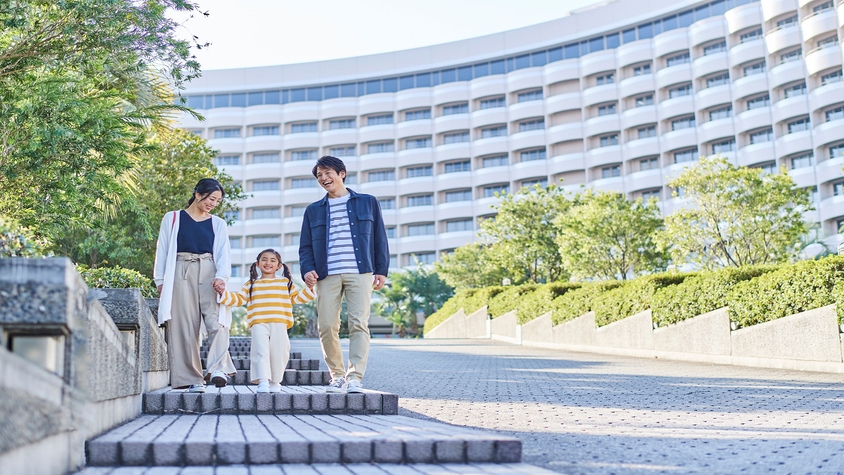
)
(269, 314)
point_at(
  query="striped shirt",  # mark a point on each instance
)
(341, 249)
(270, 302)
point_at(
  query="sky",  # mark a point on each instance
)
(246, 33)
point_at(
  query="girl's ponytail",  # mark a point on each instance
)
(285, 271)
(253, 276)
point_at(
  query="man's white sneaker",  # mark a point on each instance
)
(263, 386)
(196, 388)
(353, 386)
(275, 387)
(337, 385)
(219, 379)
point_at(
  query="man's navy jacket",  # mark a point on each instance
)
(368, 236)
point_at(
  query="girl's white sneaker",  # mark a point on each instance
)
(263, 386)
(275, 387)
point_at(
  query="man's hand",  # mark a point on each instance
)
(378, 281)
(311, 279)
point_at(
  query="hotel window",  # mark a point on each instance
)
(826, 42)
(715, 48)
(834, 114)
(608, 140)
(459, 195)
(724, 146)
(721, 113)
(424, 258)
(303, 128)
(420, 229)
(265, 241)
(641, 70)
(791, 56)
(341, 124)
(351, 179)
(380, 147)
(684, 123)
(532, 125)
(751, 35)
(297, 211)
(645, 100)
(757, 68)
(417, 115)
(611, 172)
(497, 131)
(391, 234)
(381, 119)
(493, 103)
(836, 151)
(678, 59)
(420, 200)
(235, 271)
(424, 142)
(681, 91)
(415, 172)
(299, 155)
(265, 185)
(223, 160)
(233, 215)
(496, 161)
(801, 161)
(458, 137)
(645, 132)
(531, 155)
(386, 175)
(456, 109)
(799, 125)
(265, 158)
(685, 156)
(831, 78)
(608, 109)
(265, 213)
(303, 183)
(387, 203)
(235, 242)
(822, 7)
(265, 130)
(529, 96)
(759, 102)
(794, 91)
(761, 136)
(490, 191)
(456, 167)
(226, 133)
(394, 259)
(342, 151)
(719, 80)
(648, 194)
(792, 20)
(838, 188)
(294, 239)
(769, 168)
(459, 225)
(648, 164)
(542, 182)
(605, 79)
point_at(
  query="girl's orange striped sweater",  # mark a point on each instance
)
(270, 303)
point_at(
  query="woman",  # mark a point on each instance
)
(192, 264)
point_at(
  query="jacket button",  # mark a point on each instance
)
(353, 224)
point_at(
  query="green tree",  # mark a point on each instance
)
(736, 216)
(606, 236)
(470, 266)
(522, 235)
(409, 293)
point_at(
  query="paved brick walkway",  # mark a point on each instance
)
(583, 413)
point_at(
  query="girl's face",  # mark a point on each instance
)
(269, 264)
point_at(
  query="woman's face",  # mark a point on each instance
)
(210, 202)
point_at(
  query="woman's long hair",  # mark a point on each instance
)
(205, 187)
(253, 271)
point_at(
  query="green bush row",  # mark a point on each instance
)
(470, 300)
(508, 299)
(117, 278)
(579, 301)
(540, 301)
(700, 293)
(632, 298)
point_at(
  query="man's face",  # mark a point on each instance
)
(330, 180)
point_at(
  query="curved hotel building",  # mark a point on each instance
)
(620, 96)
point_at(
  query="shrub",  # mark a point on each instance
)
(700, 294)
(538, 303)
(791, 289)
(480, 297)
(18, 241)
(117, 278)
(579, 301)
(632, 298)
(509, 299)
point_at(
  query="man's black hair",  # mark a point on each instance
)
(333, 163)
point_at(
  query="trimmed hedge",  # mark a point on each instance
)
(540, 301)
(632, 298)
(117, 278)
(470, 300)
(509, 299)
(700, 294)
(791, 289)
(579, 301)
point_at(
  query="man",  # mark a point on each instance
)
(343, 250)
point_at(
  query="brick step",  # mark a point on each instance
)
(292, 377)
(242, 362)
(203, 353)
(291, 400)
(348, 469)
(178, 440)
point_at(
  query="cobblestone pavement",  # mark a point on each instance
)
(582, 413)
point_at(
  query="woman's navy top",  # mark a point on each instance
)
(195, 237)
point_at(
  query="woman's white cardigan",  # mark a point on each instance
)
(164, 272)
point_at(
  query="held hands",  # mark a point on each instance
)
(219, 286)
(311, 279)
(378, 281)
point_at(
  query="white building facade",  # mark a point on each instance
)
(621, 96)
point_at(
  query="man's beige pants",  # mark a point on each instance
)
(269, 353)
(358, 291)
(195, 304)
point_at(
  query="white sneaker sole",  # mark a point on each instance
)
(354, 390)
(330, 390)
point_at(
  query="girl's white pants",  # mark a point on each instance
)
(270, 352)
